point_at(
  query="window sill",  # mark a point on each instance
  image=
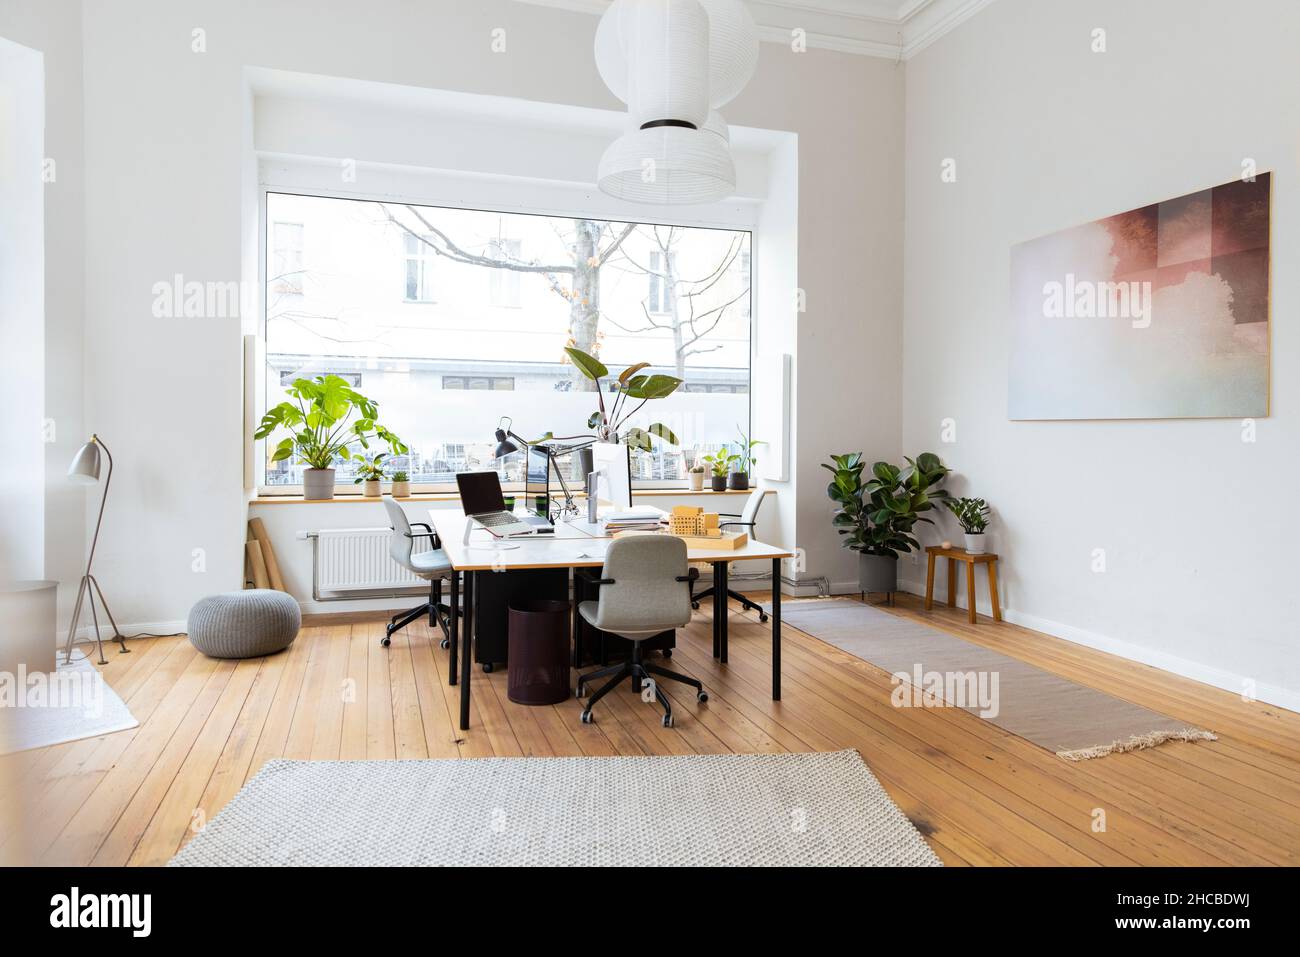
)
(357, 498)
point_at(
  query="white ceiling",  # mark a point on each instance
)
(884, 28)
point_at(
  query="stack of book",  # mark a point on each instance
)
(639, 519)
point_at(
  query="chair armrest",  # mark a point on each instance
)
(692, 575)
(729, 515)
(746, 524)
(600, 581)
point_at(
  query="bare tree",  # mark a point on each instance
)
(682, 308)
(577, 280)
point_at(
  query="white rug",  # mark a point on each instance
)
(38, 710)
(681, 810)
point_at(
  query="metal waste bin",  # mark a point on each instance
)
(538, 672)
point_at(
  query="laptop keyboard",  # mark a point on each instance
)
(493, 519)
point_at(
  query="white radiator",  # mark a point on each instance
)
(357, 559)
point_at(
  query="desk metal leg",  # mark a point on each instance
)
(776, 629)
(467, 651)
(720, 575)
(717, 604)
(454, 627)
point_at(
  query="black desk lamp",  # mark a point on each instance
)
(508, 443)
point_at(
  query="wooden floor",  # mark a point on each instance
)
(978, 794)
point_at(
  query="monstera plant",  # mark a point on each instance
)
(621, 399)
(326, 418)
(876, 517)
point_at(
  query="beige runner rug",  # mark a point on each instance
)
(1074, 722)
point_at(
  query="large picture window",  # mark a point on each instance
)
(453, 318)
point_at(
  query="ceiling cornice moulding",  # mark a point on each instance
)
(892, 29)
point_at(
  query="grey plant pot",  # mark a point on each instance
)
(719, 483)
(318, 483)
(738, 481)
(877, 573)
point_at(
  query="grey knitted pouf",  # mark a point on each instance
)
(244, 624)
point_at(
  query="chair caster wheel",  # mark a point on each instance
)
(487, 668)
(695, 605)
(586, 716)
(668, 652)
(386, 641)
(444, 644)
(668, 721)
(762, 616)
(577, 692)
(702, 696)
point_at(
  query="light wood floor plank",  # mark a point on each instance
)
(980, 795)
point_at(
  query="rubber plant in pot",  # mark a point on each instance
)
(973, 516)
(876, 517)
(744, 461)
(615, 409)
(370, 475)
(325, 418)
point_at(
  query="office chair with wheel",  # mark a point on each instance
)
(747, 519)
(432, 565)
(645, 590)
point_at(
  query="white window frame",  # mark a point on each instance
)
(305, 178)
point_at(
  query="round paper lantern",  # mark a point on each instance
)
(668, 165)
(733, 49)
(668, 61)
(732, 44)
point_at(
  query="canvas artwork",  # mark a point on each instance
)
(1159, 312)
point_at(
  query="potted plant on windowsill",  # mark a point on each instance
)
(401, 485)
(322, 427)
(744, 461)
(370, 476)
(719, 464)
(876, 517)
(696, 475)
(973, 516)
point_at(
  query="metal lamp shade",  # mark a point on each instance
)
(85, 467)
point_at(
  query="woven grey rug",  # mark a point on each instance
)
(1069, 719)
(680, 810)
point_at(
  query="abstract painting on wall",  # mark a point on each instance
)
(1161, 312)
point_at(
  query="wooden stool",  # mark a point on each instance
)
(955, 555)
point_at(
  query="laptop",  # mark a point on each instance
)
(480, 496)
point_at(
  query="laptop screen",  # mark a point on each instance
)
(537, 482)
(480, 492)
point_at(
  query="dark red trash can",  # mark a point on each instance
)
(538, 671)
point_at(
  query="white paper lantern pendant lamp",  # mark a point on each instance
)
(673, 62)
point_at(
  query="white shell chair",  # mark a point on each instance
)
(432, 565)
(747, 519)
(645, 590)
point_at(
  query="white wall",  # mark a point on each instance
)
(167, 151)
(1197, 531)
(22, 312)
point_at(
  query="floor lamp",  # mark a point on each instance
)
(85, 470)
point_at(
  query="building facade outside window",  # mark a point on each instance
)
(489, 340)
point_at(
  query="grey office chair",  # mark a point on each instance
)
(746, 520)
(645, 590)
(431, 565)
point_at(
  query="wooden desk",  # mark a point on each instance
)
(575, 546)
(955, 555)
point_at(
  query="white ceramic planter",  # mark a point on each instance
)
(318, 484)
(370, 489)
(975, 543)
(697, 481)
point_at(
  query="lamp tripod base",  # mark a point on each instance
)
(86, 595)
